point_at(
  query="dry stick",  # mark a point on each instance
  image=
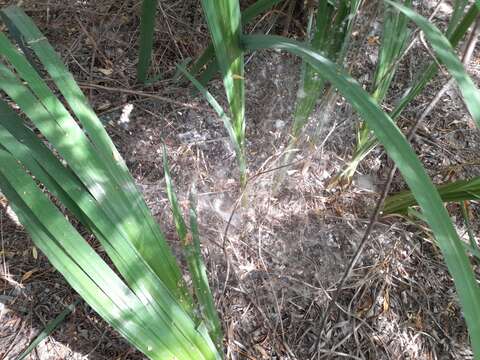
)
(169, 28)
(374, 218)
(144, 94)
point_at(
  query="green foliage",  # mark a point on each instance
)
(389, 55)
(51, 326)
(205, 67)
(473, 246)
(148, 303)
(147, 31)
(446, 55)
(224, 23)
(400, 151)
(394, 41)
(205, 60)
(460, 190)
(191, 243)
(331, 36)
(227, 123)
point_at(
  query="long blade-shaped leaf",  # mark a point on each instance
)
(90, 189)
(456, 31)
(216, 106)
(200, 278)
(191, 244)
(457, 14)
(431, 70)
(446, 54)
(51, 326)
(455, 191)
(18, 21)
(104, 160)
(137, 273)
(180, 225)
(412, 170)
(331, 38)
(394, 39)
(209, 53)
(84, 161)
(147, 30)
(224, 23)
(76, 261)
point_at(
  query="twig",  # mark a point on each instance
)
(143, 94)
(374, 217)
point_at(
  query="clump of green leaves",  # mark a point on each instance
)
(225, 24)
(150, 305)
(206, 66)
(398, 148)
(394, 41)
(395, 37)
(330, 36)
(148, 302)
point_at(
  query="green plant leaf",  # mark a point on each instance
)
(76, 260)
(394, 40)
(398, 148)
(208, 54)
(51, 326)
(224, 23)
(190, 241)
(227, 123)
(147, 30)
(180, 225)
(446, 54)
(105, 172)
(452, 192)
(151, 306)
(456, 30)
(331, 36)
